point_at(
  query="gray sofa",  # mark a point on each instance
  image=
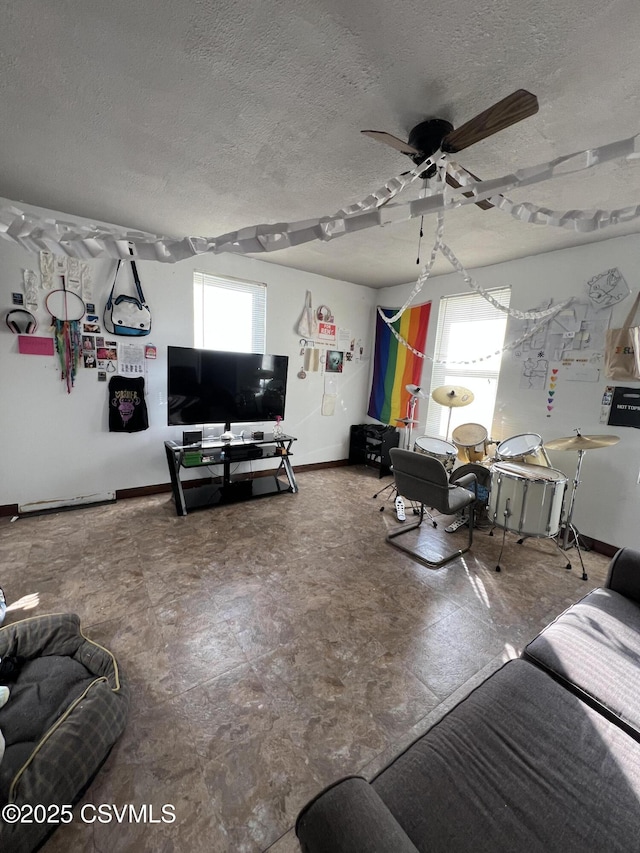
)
(543, 756)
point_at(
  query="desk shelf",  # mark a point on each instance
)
(226, 454)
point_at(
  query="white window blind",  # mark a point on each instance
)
(469, 328)
(229, 313)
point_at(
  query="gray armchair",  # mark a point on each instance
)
(423, 479)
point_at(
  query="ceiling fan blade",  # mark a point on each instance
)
(510, 110)
(484, 204)
(393, 141)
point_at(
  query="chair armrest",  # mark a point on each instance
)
(624, 574)
(350, 816)
(465, 481)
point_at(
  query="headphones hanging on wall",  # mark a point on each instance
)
(21, 322)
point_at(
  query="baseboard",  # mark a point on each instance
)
(317, 466)
(53, 505)
(160, 488)
(601, 547)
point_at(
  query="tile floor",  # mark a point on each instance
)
(272, 646)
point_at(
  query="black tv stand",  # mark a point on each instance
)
(226, 454)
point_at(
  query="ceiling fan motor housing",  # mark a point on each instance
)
(427, 137)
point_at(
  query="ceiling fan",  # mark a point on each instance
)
(437, 134)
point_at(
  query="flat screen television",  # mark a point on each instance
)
(214, 387)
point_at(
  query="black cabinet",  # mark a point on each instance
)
(369, 444)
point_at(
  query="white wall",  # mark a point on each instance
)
(57, 445)
(607, 501)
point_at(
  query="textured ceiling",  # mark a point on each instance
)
(198, 118)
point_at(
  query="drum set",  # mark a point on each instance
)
(526, 495)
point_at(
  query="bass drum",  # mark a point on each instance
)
(471, 441)
(527, 448)
(439, 449)
(526, 499)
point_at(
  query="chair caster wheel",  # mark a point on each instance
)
(435, 523)
(568, 567)
(520, 541)
(491, 533)
(498, 569)
(585, 577)
(381, 509)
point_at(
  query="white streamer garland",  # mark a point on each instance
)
(90, 241)
(544, 315)
(511, 345)
(391, 188)
(425, 272)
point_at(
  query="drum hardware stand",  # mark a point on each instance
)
(569, 527)
(555, 539)
(415, 508)
(522, 539)
(411, 414)
(581, 443)
(409, 421)
(506, 514)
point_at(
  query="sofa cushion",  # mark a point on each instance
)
(521, 764)
(346, 811)
(594, 647)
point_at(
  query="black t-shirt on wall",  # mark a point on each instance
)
(127, 406)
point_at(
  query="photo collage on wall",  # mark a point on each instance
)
(98, 353)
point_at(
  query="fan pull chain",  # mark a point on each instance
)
(420, 240)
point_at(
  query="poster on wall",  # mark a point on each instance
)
(326, 333)
(131, 359)
(335, 361)
(533, 376)
(343, 342)
(625, 407)
(580, 369)
(575, 337)
(607, 288)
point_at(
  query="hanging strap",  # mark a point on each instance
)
(110, 299)
(136, 279)
(632, 312)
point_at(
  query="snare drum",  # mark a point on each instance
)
(439, 449)
(526, 499)
(527, 448)
(471, 441)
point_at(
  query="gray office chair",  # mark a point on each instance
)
(423, 479)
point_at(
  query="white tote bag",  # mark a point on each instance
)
(308, 325)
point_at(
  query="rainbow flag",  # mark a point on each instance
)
(395, 366)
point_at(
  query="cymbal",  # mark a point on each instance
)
(452, 396)
(415, 391)
(582, 442)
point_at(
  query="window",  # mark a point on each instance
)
(229, 314)
(469, 328)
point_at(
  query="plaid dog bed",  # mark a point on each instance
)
(67, 708)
